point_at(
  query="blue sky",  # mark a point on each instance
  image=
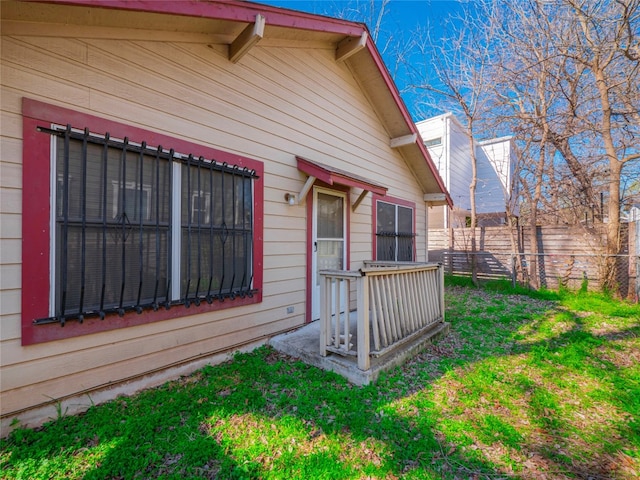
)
(401, 19)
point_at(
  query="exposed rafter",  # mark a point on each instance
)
(359, 200)
(251, 35)
(433, 199)
(350, 46)
(305, 189)
(403, 141)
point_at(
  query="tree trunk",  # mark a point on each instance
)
(472, 203)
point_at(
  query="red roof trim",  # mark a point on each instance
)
(232, 10)
(332, 175)
(405, 113)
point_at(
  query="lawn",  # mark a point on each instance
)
(545, 385)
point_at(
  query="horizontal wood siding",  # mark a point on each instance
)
(273, 105)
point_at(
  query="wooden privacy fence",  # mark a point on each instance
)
(566, 256)
(396, 302)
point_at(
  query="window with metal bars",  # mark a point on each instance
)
(394, 232)
(140, 227)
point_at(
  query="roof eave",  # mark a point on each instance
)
(398, 123)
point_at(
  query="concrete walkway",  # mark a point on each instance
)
(304, 344)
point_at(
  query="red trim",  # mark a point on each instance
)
(36, 194)
(232, 10)
(377, 58)
(334, 176)
(309, 270)
(374, 219)
(36, 235)
(240, 11)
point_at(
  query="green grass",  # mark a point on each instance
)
(526, 386)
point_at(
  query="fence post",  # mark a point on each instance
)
(514, 274)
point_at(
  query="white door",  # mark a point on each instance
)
(329, 238)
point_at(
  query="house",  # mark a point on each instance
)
(448, 144)
(175, 175)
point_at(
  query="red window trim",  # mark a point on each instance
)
(36, 243)
(374, 214)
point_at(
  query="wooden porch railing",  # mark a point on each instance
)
(396, 302)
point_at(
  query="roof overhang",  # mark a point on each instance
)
(335, 176)
(240, 25)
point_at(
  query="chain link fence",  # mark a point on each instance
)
(552, 271)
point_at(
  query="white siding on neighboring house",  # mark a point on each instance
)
(495, 167)
(451, 158)
(490, 193)
(460, 172)
(501, 155)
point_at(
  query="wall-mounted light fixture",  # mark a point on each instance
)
(290, 198)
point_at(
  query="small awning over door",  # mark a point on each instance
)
(332, 175)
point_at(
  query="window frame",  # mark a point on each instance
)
(37, 255)
(433, 142)
(374, 227)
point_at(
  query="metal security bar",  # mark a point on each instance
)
(395, 246)
(113, 235)
(217, 233)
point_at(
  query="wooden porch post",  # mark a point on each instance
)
(364, 362)
(325, 314)
(441, 290)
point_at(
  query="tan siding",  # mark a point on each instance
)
(10, 301)
(43, 76)
(103, 375)
(10, 277)
(11, 98)
(10, 200)
(275, 104)
(10, 251)
(10, 225)
(63, 365)
(11, 125)
(11, 175)
(60, 347)
(10, 323)
(278, 273)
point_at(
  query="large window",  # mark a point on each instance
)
(395, 231)
(139, 229)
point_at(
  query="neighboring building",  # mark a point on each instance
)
(448, 145)
(174, 174)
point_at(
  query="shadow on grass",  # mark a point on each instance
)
(569, 376)
(260, 416)
(453, 412)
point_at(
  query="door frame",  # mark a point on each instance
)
(338, 189)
